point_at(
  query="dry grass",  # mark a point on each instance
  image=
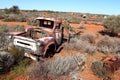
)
(80, 44)
(4, 41)
(61, 66)
(109, 45)
(90, 37)
(5, 28)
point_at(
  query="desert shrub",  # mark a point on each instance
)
(17, 28)
(99, 69)
(90, 49)
(108, 45)
(112, 23)
(31, 21)
(80, 44)
(74, 20)
(66, 25)
(20, 62)
(90, 37)
(100, 18)
(17, 53)
(4, 28)
(1, 15)
(75, 43)
(15, 17)
(22, 65)
(10, 17)
(4, 41)
(61, 66)
(6, 61)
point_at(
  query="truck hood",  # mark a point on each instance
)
(48, 30)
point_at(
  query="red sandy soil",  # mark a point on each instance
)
(13, 23)
(89, 28)
(21, 78)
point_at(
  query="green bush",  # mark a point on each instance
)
(99, 69)
(112, 23)
(22, 65)
(17, 53)
(6, 61)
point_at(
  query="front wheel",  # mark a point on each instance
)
(50, 51)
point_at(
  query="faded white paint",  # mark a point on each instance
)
(32, 44)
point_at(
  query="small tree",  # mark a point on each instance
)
(112, 23)
(14, 9)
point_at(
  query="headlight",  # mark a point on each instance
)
(38, 43)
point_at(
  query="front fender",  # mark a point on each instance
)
(47, 47)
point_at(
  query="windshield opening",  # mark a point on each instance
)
(46, 23)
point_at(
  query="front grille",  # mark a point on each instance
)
(23, 43)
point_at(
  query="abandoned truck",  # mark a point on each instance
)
(38, 40)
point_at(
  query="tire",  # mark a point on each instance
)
(51, 51)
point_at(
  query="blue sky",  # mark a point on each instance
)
(111, 7)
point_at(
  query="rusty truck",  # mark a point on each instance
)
(41, 39)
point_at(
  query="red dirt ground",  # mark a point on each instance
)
(13, 23)
(89, 28)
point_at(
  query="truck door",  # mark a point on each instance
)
(58, 34)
